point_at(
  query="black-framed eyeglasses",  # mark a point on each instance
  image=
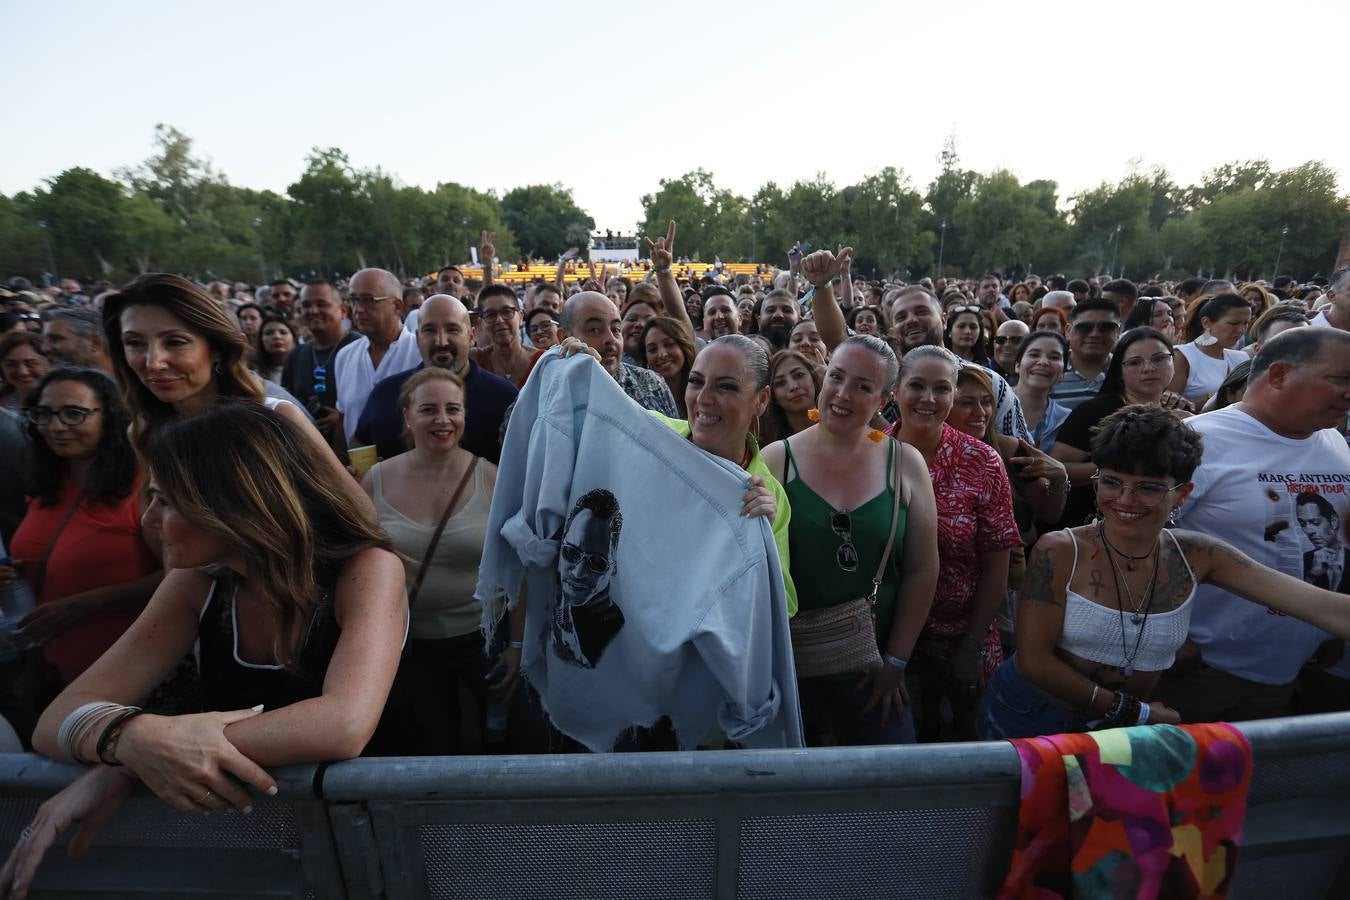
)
(320, 379)
(366, 300)
(542, 327)
(846, 557)
(572, 554)
(1148, 493)
(1086, 328)
(1014, 339)
(70, 415)
(492, 315)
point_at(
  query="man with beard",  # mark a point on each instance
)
(75, 337)
(308, 372)
(593, 319)
(917, 321)
(444, 336)
(778, 316)
(505, 354)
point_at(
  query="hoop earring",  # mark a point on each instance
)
(219, 369)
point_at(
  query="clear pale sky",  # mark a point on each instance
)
(609, 97)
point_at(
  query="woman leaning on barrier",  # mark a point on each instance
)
(298, 607)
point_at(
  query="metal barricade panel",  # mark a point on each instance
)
(921, 853)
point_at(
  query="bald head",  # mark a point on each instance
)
(1059, 300)
(380, 282)
(376, 299)
(444, 334)
(593, 318)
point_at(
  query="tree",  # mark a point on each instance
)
(709, 216)
(546, 220)
(1008, 226)
(886, 225)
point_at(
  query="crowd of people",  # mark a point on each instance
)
(252, 518)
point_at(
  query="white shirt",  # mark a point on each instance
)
(355, 376)
(1321, 320)
(1245, 493)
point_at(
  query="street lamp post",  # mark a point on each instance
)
(1284, 233)
(754, 234)
(942, 246)
(1115, 248)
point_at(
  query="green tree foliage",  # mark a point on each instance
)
(546, 220)
(175, 212)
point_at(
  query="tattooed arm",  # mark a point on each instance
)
(1218, 563)
(1040, 622)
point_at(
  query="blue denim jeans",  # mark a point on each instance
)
(1013, 707)
(835, 706)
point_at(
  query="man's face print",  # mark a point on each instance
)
(584, 562)
(1319, 529)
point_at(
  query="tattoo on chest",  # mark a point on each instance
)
(1096, 583)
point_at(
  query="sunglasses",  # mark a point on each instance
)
(846, 558)
(1086, 328)
(572, 554)
(320, 379)
(1009, 339)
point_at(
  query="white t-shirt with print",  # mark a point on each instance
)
(1245, 493)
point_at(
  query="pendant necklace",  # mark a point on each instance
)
(1139, 615)
(1131, 562)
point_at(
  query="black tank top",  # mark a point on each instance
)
(227, 682)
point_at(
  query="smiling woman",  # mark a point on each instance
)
(665, 348)
(176, 353)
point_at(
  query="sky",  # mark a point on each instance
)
(607, 98)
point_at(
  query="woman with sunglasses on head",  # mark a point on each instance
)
(176, 353)
(858, 499)
(1140, 370)
(960, 645)
(1106, 606)
(80, 546)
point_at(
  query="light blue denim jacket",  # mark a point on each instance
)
(704, 638)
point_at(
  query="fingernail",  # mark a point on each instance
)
(272, 791)
(248, 810)
(258, 708)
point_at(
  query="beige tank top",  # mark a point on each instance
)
(445, 606)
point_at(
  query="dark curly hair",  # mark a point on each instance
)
(1147, 440)
(112, 476)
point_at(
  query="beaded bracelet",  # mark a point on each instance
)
(106, 748)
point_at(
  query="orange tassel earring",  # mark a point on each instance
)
(875, 436)
(813, 414)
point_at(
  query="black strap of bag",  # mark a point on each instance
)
(436, 537)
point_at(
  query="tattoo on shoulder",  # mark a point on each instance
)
(1212, 549)
(1040, 578)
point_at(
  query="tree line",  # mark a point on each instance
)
(174, 212)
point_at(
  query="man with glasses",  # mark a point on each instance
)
(308, 371)
(1007, 341)
(1095, 325)
(385, 348)
(444, 335)
(504, 355)
(1263, 457)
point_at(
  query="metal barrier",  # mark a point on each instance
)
(929, 821)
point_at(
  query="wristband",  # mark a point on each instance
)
(896, 662)
(1143, 714)
(516, 645)
(657, 270)
(106, 748)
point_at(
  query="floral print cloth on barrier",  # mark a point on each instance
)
(1149, 811)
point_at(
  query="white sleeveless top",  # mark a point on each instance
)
(1207, 373)
(1093, 632)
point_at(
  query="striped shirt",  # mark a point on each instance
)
(1072, 388)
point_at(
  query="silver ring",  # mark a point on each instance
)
(205, 797)
(26, 833)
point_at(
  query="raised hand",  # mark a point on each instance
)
(662, 250)
(822, 266)
(487, 252)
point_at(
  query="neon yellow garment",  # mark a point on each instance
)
(780, 521)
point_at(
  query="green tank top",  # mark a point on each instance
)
(814, 547)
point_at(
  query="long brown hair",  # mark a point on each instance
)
(773, 426)
(244, 474)
(675, 330)
(201, 315)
